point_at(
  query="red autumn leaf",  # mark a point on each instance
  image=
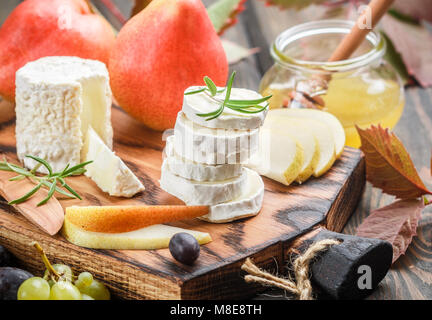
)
(388, 165)
(396, 223)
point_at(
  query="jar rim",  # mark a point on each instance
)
(325, 27)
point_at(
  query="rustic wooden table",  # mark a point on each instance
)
(411, 276)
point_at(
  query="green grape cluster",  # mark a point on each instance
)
(60, 283)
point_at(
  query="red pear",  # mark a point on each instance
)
(39, 28)
(167, 47)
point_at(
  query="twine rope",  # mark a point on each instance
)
(301, 286)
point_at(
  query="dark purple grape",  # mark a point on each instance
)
(5, 257)
(10, 280)
(184, 248)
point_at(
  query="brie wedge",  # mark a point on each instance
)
(57, 99)
(153, 237)
(202, 193)
(248, 204)
(108, 170)
(202, 102)
(213, 146)
(198, 171)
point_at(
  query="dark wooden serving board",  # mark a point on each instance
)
(287, 213)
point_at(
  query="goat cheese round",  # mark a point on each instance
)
(202, 102)
(198, 171)
(248, 204)
(213, 146)
(199, 192)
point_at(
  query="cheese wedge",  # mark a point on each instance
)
(108, 170)
(213, 146)
(280, 156)
(304, 136)
(148, 238)
(197, 171)
(202, 193)
(248, 204)
(330, 120)
(57, 98)
(229, 119)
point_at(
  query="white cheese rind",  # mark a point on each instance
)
(198, 171)
(202, 193)
(53, 95)
(107, 170)
(249, 203)
(213, 146)
(229, 119)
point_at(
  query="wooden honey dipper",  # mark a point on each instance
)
(308, 92)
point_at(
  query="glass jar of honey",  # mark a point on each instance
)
(362, 90)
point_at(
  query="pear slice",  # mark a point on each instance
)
(304, 136)
(280, 156)
(325, 117)
(153, 237)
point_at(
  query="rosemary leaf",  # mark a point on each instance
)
(195, 91)
(50, 193)
(66, 186)
(210, 85)
(67, 194)
(42, 162)
(249, 102)
(74, 169)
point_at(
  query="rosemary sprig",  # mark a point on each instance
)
(53, 181)
(242, 106)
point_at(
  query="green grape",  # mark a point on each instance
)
(86, 297)
(96, 290)
(64, 290)
(34, 288)
(63, 270)
(84, 280)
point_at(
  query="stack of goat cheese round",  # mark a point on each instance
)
(204, 158)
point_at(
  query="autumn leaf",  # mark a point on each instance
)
(388, 165)
(396, 223)
(414, 43)
(139, 5)
(235, 53)
(223, 13)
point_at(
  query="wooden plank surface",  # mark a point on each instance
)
(410, 277)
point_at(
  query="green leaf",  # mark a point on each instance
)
(75, 169)
(395, 59)
(222, 13)
(194, 91)
(42, 162)
(210, 85)
(26, 196)
(249, 102)
(18, 170)
(294, 4)
(67, 194)
(65, 185)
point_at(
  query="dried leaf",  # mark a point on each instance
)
(388, 165)
(414, 43)
(396, 223)
(223, 13)
(235, 53)
(294, 4)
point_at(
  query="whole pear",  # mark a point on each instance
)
(39, 28)
(167, 47)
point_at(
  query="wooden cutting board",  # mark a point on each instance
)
(287, 213)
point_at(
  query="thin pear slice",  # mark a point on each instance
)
(280, 156)
(325, 117)
(301, 132)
